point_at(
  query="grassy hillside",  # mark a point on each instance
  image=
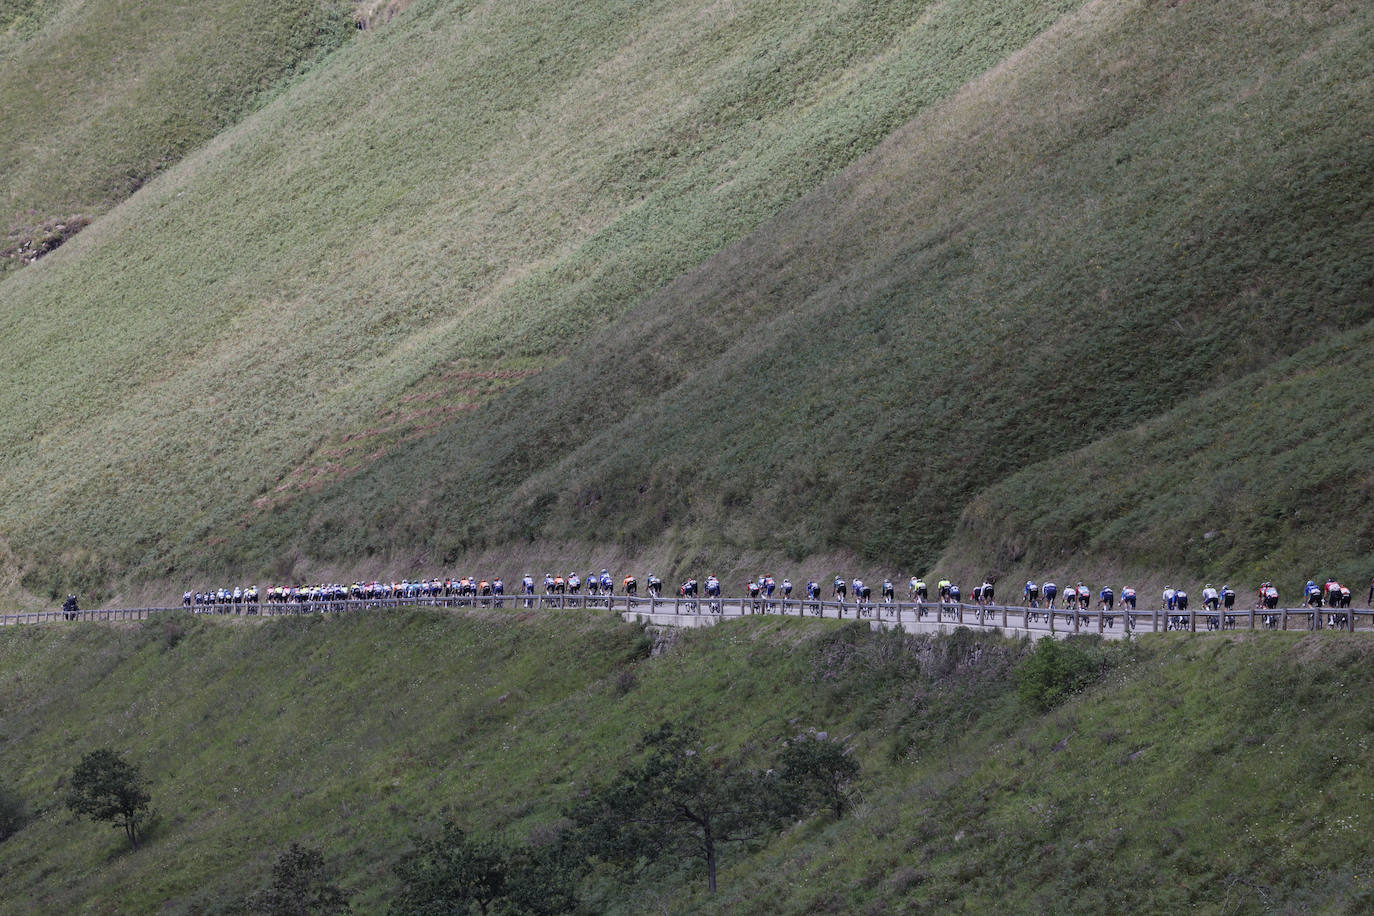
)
(1199, 759)
(1155, 200)
(432, 214)
(686, 280)
(1260, 479)
(96, 97)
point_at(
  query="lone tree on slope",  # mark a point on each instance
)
(105, 787)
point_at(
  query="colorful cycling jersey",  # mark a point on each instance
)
(1049, 589)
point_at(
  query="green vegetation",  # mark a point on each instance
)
(437, 205)
(1233, 763)
(1260, 479)
(456, 873)
(1054, 672)
(1154, 202)
(13, 812)
(301, 886)
(690, 283)
(106, 787)
(96, 97)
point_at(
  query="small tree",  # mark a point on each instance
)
(452, 874)
(107, 788)
(301, 886)
(817, 773)
(678, 802)
(456, 873)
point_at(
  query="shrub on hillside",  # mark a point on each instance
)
(13, 813)
(458, 873)
(302, 885)
(1055, 670)
(816, 772)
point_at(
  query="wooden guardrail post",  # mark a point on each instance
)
(1284, 616)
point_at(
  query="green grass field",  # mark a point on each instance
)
(96, 97)
(1218, 773)
(1105, 229)
(691, 284)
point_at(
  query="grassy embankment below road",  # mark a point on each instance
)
(1221, 772)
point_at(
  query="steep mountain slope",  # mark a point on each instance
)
(551, 274)
(1152, 201)
(1196, 758)
(97, 96)
(428, 217)
(1263, 478)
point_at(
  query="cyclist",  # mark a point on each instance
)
(943, 587)
(1333, 593)
(655, 585)
(839, 589)
(631, 586)
(863, 593)
(1311, 595)
(1050, 591)
(786, 589)
(1211, 601)
(888, 591)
